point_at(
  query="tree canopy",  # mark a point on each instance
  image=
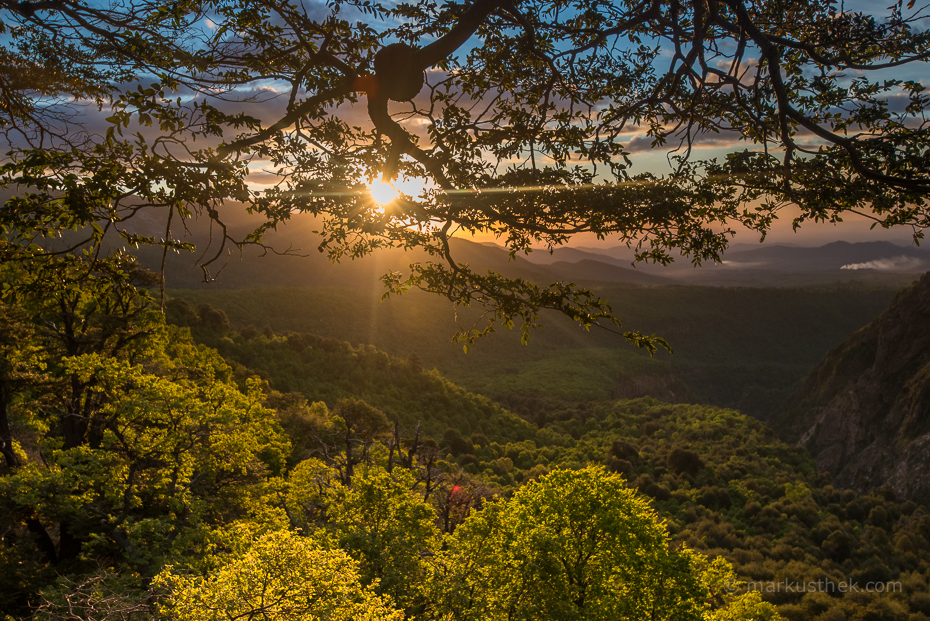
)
(572, 545)
(522, 118)
(282, 576)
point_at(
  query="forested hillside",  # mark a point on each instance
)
(150, 467)
(327, 370)
(740, 348)
(144, 466)
(724, 483)
(144, 477)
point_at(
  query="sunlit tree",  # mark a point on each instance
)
(161, 460)
(388, 528)
(282, 577)
(571, 545)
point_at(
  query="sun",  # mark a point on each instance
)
(382, 192)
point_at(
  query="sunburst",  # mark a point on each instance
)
(382, 193)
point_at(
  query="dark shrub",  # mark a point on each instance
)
(455, 442)
(684, 462)
(649, 428)
(621, 466)
(877, 611)
(837, 545)
(714, 498)
(467, 459)
(920, 602)
(213, 319)
(646, 485)
(874, 571)
(624, 450)
(249, 333)
(879, 517)
(480, 439)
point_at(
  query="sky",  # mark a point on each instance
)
(855, 228)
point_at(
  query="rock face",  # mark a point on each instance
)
(864, 412)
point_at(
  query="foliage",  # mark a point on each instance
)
(733, 347)
(747, 607)
(168, 454)
(327, 370)
(190, 469)
(281, 577)
(389, 529)
(758, 503)
(755, 501)
(22, 366)
(529, 123)
(131, 445)
(571, 545)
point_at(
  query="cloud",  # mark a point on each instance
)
(742, 265)
(897, 264)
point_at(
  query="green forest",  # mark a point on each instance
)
(743, 348)
(168, 466)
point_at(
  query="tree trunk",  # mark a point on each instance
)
(6, 433)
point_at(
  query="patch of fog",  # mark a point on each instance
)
(898, 264)
(741, 265)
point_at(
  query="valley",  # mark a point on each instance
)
(339, 391)
(724, 483)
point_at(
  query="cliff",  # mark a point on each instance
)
(864, 411)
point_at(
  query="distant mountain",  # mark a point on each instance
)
(876, 255)
(305, 266)
(744, 265)
(590, 265)
(575, 255)
(620, 253)
(864, 412)
(590, 270)
(880, 256)
(753, 265)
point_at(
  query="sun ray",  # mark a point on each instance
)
(382, 192)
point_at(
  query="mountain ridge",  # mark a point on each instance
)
(864, 411)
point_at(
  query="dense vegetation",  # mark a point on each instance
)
(184, 471)
(739, 348)
(724, 483)
(156, 471)
(146, 478)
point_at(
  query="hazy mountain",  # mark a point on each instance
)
(589, 265)
(754, 265)
(780, 257)
(590, 270)
(879, 256)
(574, 255)
(303, 265)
